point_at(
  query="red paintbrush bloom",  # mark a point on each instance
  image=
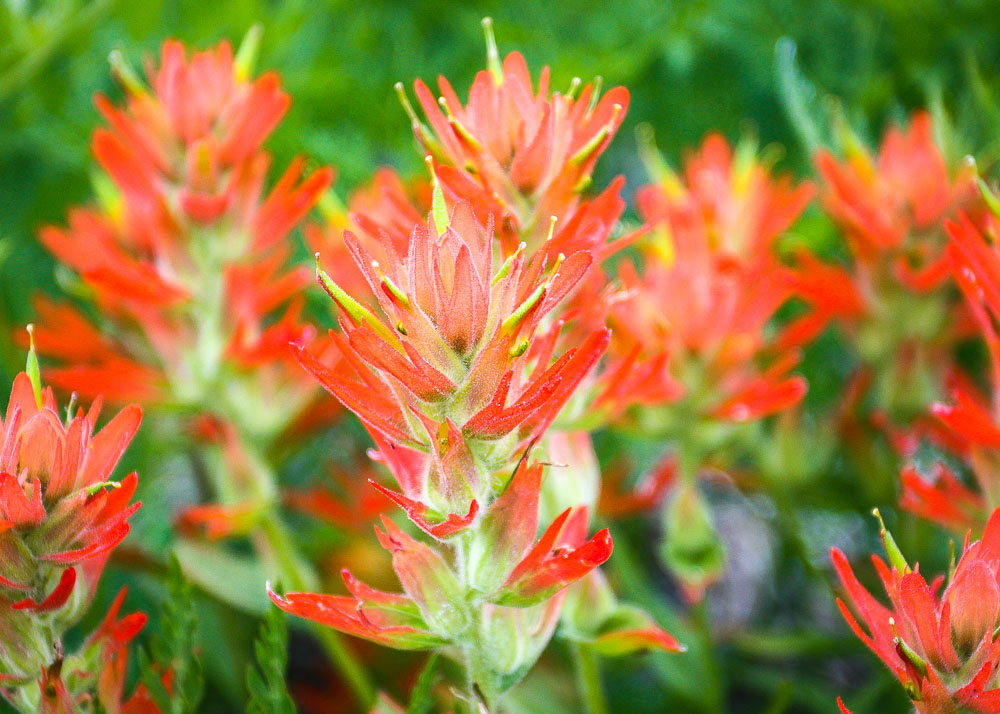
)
(184, 255)
(893, 206)
(517, 154)
(455, 379)
(60, 517)
(942, 647)
(892, 298)
(56, 512)
(452, 359)
(693, 324)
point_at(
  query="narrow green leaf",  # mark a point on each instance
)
(422, 700)
(266, 680)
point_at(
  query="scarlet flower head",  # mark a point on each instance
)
(694, 323)
(453, 366)
(184, 254)
(897, 199)
(941, 646)
(60, 517)
(733, 196)
(516, 153)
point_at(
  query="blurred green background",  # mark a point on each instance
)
(692, 67)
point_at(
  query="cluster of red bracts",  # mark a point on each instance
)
(60, 517)
(184, 255)
(943, 647)
(450, 353)
(693, 323)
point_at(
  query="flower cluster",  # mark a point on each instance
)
(942, 647)
(61, 515)
(185, 254)
(456, 375)
(893, 299)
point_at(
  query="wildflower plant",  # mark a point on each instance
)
(455, 375)
(61, 515)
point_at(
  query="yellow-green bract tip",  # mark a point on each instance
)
(31, 368)
(892, 550)
(492, 54)
(438, 208)
(246, 55)
(123, 73)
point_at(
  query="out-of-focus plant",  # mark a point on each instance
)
(185, 259)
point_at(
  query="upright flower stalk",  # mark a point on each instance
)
(186, 259)
(696, 357)
(61, 515)
(449, 356)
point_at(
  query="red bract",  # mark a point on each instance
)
(517, 154)
(942, 647)
(184, 255)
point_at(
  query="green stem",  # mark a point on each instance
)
(588, 678)
(275, 543)
(714, 695)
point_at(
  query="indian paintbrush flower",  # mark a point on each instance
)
(942, 645)
(61, 515)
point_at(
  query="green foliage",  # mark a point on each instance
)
(422, 700)
(172, 653)
(266, 680)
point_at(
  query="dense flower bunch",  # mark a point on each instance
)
(456, 378)
(60, 517)
(893, 299)
(968, 422)
(942, 647)
(695, 355)
(185, 256)
(693, 324)
(518, 155)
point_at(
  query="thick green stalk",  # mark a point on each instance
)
(588, 678)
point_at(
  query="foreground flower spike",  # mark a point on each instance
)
(892, 299)
(942, 647)
(515, 153)
(449, 358)
(60, 517)
(185, 255)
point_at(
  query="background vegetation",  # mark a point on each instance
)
(768, 67)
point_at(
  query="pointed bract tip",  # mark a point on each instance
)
(31, 367)
(492, 54)
(407, 107)
(123, 73)
(246, 55)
